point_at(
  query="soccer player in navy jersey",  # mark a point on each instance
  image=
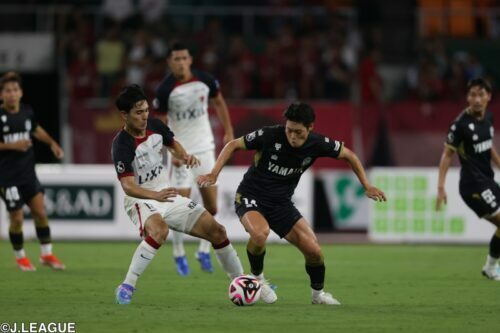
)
(182, 99)
(19, 184)
(263, 199)
(471, 136)
(151, 203)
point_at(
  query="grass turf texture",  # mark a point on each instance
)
(382, 289)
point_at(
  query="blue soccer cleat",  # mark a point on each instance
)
(124, 293)
(182, 265)
(205, 262)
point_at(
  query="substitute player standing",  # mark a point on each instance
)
(471, 136)
(19, 184)
(263, 199)
(183, 98)
(152, 205)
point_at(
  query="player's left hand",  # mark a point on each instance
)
(57, 150)
(206, 180)
(228, 137)
(191, 161)
(375, 194)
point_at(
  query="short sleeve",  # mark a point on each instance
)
(162, 94)
(122, 158)
(255, 139)
(211, 82)
(329, 147)
(159, 127)
(454, 137)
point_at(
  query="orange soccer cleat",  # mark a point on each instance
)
(25, 264)
(52, 261)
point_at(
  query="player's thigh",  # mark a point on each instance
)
(37, 206)
(139, 212)
(208, 228)
(252, 215)
(12, 196)
(181, 214)
(302, 236)
(483, 197)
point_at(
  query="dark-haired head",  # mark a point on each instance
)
(481, 83)
(10, 77)
(299, 123)
(11, 91)
(129, 97)
(176, 46)
(300, 113)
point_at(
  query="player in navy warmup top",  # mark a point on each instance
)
(182, 99)
(19, 184)
(471, 136)
(152, 205)
(263, 198)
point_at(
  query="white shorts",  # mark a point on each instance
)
(181, 214)
(182, 177)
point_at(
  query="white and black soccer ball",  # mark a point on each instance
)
(244, 290)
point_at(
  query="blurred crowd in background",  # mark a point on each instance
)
(332, 55)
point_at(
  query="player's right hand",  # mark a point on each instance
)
(21, 145)
(165, 194)
(441, 197)
(206, 180)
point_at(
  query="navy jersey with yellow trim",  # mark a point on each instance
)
(277, 166)
(17, 167)
(472, 139)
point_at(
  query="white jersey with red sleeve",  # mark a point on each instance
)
(142, 157)
(186, 105)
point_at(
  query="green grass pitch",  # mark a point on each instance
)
(390, 288)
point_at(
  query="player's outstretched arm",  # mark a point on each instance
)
(178, 152)
(133, 190)
(41, 135)
(224, 156)
(444, 165)
(220, 106)
(371, 191)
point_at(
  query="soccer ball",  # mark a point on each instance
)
(244, 290)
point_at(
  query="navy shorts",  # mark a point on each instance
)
(15, 196)
(482, 196)
(281, 217)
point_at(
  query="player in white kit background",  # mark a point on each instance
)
(150, 202)
(182, 100)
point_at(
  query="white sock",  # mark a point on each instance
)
(141, 259)
(490, 261)
(46, 249)
(19, 253)
(204, 246)
(228, 259)
(316, 293)
(178, 243)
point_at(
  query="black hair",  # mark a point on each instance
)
(176, 46)
(300, 113)
(129, 97)
(10, 77)
(479, 82)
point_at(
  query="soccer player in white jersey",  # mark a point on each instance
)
(152, 205)
(182, 99)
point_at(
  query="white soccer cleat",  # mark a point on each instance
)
(267, 293)
(491, 272)
(324, 298)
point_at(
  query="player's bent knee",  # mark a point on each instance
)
(218, 233)
(157, 229)
(260, 237)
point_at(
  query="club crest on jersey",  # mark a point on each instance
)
(120, 167)
(4, 118)
(306, 161)
(274, 157)
(277, 146)
(27, 124)
(6, 128)
(475, 137)
(471, 126)
(250, 136)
